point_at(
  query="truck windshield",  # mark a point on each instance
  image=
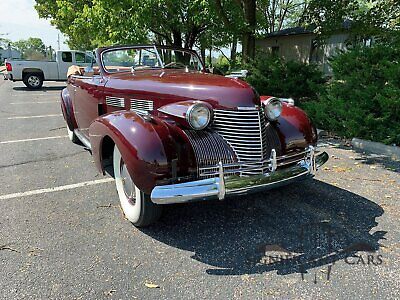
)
(131, 59)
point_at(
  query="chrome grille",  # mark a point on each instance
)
(242, 140)
(249, 135)
(115, 101)
(141, 105)
(209, 149)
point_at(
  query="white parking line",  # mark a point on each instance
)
(35, 139)
(32, 117)
(55, 189)
(33, 102)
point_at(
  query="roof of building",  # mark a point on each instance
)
(301, 30)
(289, 31)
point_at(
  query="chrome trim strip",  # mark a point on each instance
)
(157, 47)
(158, 57)
(221, 190)
(85, 141)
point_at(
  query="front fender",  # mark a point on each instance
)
(154, 151)
(295, 128)
(68, 109)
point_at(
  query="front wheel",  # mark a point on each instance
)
(135, 204)
(33, 81)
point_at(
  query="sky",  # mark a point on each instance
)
(19, 20)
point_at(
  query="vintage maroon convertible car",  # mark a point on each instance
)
(175, 133)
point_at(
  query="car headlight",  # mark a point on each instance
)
(273, 108)
(198, 116)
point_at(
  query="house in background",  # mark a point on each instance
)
(9, 54)
(301, 45)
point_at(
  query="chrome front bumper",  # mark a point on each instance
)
(221, 185)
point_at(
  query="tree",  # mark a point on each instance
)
(239, 17)
(275, 15)
(367, 18)
(70, 17)
(91, 23)
(31, 48)
(4, 43)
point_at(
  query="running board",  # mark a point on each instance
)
(85, 141)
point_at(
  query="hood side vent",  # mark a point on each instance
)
(115, 101)
(142, 105)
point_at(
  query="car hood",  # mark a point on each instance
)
(168, 86)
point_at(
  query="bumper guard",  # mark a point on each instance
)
(221, 186)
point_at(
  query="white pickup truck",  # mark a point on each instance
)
(34, 72)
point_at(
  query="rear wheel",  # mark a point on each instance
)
(135, 204)
(33, 81)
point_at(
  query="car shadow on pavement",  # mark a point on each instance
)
(384, 161)
(290, 230)
(42, 89)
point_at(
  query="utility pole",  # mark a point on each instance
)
(9, 51)
(58, 41)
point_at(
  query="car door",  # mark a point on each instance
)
(88, 101)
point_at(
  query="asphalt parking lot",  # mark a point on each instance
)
(63, 236)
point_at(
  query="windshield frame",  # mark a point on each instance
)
(156, 48)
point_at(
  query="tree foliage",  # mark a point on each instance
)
(363, 100)
(4, 43)
(185, 23)
(271, 75)
(275, 15)
(32, 48)
(367, 18)
(239, 18)
(91, 23)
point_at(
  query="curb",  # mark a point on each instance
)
(378, 148)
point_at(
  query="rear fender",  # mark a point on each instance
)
(68, 109)
(154, 151)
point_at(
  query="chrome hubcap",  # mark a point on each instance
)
(127, 184)
(34, 80)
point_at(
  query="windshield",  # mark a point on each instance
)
(132, 59)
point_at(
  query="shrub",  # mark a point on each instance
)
(222, 64)
(363, 99)
(225, 66)
(271, 75)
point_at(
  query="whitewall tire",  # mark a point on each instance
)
(72, 136)
(136, 205)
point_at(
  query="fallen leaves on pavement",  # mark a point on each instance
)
(151, 285)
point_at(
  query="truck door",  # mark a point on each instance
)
(82, 59)
(64, 61)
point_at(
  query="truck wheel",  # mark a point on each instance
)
(135, 204)
(33, 81)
